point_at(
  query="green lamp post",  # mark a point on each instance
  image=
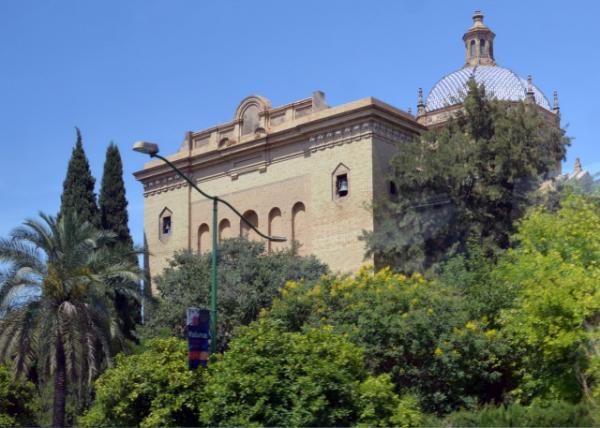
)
(152, 150)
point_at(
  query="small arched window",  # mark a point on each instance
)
(245, 230)
(204, 241)
(224, 229)
(472, 49)
(299, 226)
(482, 47)
(275, 228)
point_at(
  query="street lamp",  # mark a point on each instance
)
(152, 150)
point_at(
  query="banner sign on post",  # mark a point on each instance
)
(198, 321)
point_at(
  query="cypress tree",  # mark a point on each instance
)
(114, 217)
(113, 204)
(78, 188)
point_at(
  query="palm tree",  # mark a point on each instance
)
(70, 327)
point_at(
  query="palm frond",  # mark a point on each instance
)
(18, 338)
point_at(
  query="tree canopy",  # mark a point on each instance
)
(470, 179)
(248, 279)
(555, 270)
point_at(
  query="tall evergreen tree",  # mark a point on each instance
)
(113, 204)
(78, 188)
(114, 217)
(468, 180)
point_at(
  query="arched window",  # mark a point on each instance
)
(481, 47)
(275, 228)
(472, 50)
(245, 230)
(250, 119)
(225, 229)
(299, 225)
(204, 240)
(165, 223)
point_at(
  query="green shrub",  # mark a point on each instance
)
(418, 331)
(381, 407)
(152, 388)
(539, 414)
(271, 377)
(18, 403)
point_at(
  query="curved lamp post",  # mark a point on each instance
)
(152, 150)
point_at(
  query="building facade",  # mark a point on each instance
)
(306, 170)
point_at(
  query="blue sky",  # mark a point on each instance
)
(129, 70)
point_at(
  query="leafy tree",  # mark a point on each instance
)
(248, 280)
(68, 330)
(114, 217)
(420, 332)
(555, 269)
(271, 377)
(471, 275)
(151, 388)
(17, 400)
(470, 179)
(78, 188)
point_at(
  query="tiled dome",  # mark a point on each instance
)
(499, 82)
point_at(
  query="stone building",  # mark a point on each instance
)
(306, 170)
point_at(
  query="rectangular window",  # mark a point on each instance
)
(341, 185)
(166, 225)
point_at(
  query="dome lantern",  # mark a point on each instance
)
(479, 43)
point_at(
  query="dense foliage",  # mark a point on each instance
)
(269, 377)
(420, 332)
(555, 269)
(248, 279)
(470, 179)
(538, 414)
(67, 332)
(17, 400)
(151, 388)
(78, 188)
(272, 377)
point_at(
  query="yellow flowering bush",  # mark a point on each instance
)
(418, 331)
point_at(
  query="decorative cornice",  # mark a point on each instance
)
(163, 184)
(331, 127)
